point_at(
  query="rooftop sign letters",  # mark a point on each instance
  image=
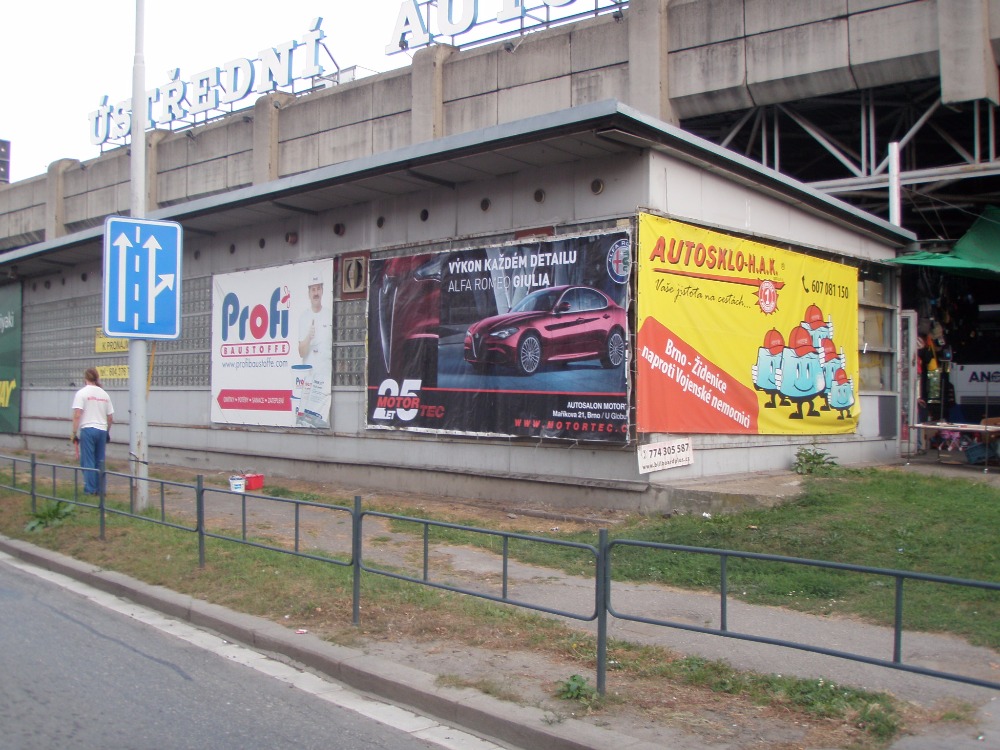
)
(215, 88)
(419, 22)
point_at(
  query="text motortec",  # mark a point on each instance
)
(402, 401)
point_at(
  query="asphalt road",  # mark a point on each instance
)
(75, 673)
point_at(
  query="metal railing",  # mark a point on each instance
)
(899, 577)
(353, 554)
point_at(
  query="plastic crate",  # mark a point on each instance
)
(976, 453)
(254, 481)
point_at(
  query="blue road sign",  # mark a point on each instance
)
(142, 278)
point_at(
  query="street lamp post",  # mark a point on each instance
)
(137, 356)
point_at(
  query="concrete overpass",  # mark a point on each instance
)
(816, 90)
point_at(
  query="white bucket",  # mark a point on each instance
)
(237, 484)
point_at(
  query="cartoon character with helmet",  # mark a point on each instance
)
(800, 376)
(840, 394)
(768, 361)
(830, 362)
(818, 329)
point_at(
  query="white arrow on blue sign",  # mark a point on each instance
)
(142, 278)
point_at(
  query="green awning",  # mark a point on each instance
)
(976, 254)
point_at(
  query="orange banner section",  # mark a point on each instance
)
(672, 372)
(736, 336)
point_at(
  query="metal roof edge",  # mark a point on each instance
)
(59, 243)
(426, 151)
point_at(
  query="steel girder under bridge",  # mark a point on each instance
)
(949, 165)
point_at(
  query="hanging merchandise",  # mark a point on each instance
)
(933, 373)
(937, 333)
(934, 385)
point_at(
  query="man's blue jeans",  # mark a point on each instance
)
(93, 443)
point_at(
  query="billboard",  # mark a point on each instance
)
(522, 340)
(10, 358)
(736, 336)
(272, 346)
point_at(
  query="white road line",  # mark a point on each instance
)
(398, 718)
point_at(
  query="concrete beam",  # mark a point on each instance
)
(427, 82)
(770, 15)
(153, 139)
(648, 54)
(860, 6)
(994, 30)
(55, 194)
(696, 23)
(709, 79)
(894, 44)
(266, 116)
(968, 66)
(799, 62)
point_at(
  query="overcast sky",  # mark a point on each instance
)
(58, 58)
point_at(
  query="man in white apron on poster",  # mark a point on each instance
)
(316, 350)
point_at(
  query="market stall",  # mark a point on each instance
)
(956, 296)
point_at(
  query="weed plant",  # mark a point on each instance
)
(577, 688)
(813, 460)
(50, 514)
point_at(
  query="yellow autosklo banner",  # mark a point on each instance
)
(736, 336)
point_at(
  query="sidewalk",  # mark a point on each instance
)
(941, 652)
(411, 679)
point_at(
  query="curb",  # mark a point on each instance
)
(523, 726)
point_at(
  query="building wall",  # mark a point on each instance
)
(445, 92)
(687, 193)
(179, 416)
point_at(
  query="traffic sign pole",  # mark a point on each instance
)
(137, 357)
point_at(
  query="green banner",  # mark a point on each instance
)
(10, 358)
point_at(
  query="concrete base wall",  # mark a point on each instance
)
(764, 484)
(552, 474)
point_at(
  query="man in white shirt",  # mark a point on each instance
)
(93, 414)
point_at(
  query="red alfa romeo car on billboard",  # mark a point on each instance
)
(557, 324)
(407, 314)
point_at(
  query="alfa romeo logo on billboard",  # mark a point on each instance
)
(620, 261)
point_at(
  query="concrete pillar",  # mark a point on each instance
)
(427, 82)
(55, 198)
(266, 116)
(153, 138)
(968, 67)
(648, 83)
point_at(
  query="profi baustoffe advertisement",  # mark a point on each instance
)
(272, 346)
(10, 358)
(526, 340)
